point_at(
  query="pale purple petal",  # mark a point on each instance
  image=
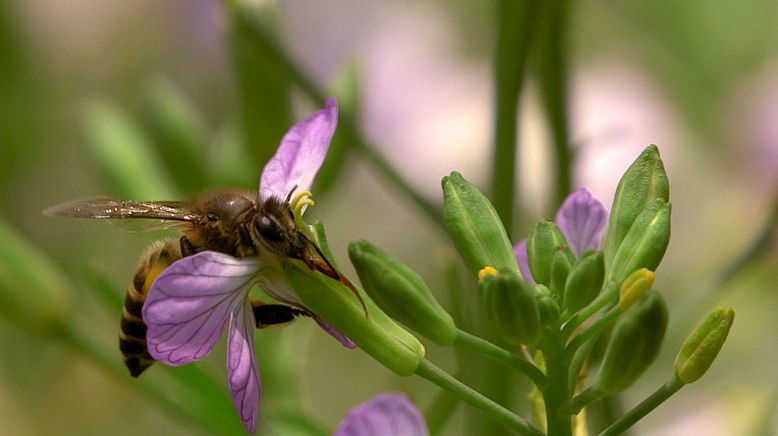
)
(581, 218)
(275, 284)
(520, 250)
(242, 372)
(345, 341)
(190, 302)
(384, 415)
(300, 155)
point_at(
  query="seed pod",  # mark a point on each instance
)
(401, 293)
(376, 334)
(634, 344)
(644, 182)
(585, 281)
(512, 304)
(645, 244)
(475, 227)
(544, 242)
(703, 345)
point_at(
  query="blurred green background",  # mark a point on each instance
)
(159, 100)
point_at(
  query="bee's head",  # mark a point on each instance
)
(274, 226)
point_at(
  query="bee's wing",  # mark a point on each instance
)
(131, 215)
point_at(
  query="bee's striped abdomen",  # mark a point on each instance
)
(132, 336)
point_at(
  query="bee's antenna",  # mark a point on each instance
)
(289, 195)
(331, 272)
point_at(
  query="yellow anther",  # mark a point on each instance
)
(634, 287)
(486, 271)
(298, 208)
(300, 196)
(299, 202)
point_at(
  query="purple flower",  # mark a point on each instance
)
(581, 218)
(384, 415)
(194, 298)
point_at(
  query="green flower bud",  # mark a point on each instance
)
(376, 334)
(644, 182)
(702, 346)
(634, 344)
(401, 293)
(33, 292)
(585, 281)
(549, 308)
(635, 287)
(645, 243)
(511, 304)
(544, 242)
(560, 269)
(475, 227)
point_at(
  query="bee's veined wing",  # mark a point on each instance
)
(128, 214)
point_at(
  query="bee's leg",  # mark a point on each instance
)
(268, 315)
(187, 248)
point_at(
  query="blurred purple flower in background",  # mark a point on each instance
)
(384, 415)
(615, 111)
(413, 81)
(581, 218)
(191, 301)
(753, 115)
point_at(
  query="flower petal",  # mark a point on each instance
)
(520, 250)
(190, 302)
(345, 341)
(275, 284)
(242, 372)
(582, 220)
(384, 415)
(300, 155)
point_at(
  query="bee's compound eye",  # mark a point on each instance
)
(267, 228)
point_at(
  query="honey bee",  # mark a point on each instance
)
(232, 222)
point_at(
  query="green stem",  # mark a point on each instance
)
(515, 24)
(574, 405)
(577, 363)
(439, 411)
(552, 72)
(592, 331)
(429, 371)
(607, 296)
(347, 122)
(644, 408)
(499, 354)
(556, 394)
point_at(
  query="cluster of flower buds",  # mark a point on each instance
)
(559, 278)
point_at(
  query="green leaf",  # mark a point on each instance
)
(263, 82)
(178, 130)
(124, 154)
(34, 293)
